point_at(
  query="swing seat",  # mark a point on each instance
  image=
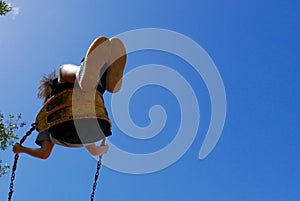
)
(76, 120)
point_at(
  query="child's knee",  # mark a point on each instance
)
(67, 73)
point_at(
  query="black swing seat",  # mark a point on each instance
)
(75, 117)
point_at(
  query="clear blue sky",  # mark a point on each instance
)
(255, 46)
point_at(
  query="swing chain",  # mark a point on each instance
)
(97, 172)
(96, 178)
(13, 174)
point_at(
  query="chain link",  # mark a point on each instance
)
(13, 174)
(96, 178)
(97, 172)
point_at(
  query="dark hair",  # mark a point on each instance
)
(45, 87)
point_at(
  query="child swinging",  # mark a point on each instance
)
(101, 70)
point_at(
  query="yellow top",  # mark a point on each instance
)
(71, 104)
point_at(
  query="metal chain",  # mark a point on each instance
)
(11, 186)
(96, 178)
(97, 173)
(13, 174)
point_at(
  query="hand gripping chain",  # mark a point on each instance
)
(13, 174)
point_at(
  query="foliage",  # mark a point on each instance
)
(8, 135)
(4, 7)
(4, 169)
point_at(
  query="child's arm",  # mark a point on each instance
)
(43, 152)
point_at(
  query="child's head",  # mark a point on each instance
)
(45, 85)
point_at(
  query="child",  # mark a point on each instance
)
(101, 69)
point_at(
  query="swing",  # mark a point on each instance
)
(58, 113)
(60, 117)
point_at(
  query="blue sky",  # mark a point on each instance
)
(255, 46)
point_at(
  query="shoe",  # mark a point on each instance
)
(96, 56)
(117, 61)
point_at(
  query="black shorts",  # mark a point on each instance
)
(86, 131)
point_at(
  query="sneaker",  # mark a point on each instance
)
(117, 61)
(96, 56)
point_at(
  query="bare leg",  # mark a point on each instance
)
(43, 152)
(97, 150)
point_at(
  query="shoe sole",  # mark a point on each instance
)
(117, 61)
(96, 56)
